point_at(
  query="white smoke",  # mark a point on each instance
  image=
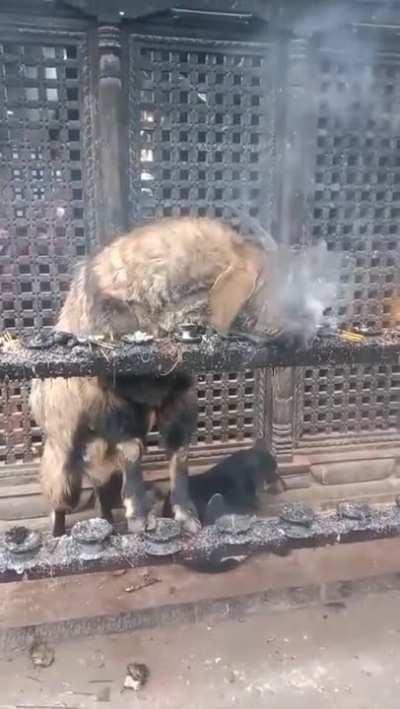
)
(303, 284)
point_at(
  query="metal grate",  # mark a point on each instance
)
(202, 139)
(357, 210)
(42, 219)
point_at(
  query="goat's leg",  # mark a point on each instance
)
(182, 505)
(57, 523)
(108, 496)
(104, 506)
(134, 496)
(177, 424)
(61, 482)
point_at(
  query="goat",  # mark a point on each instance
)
(152, 279)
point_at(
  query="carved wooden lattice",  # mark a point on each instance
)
(202, 139)
(43, 227)
(357, 209)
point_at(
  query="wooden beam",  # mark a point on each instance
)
(212, 353)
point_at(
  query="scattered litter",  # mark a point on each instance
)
(217, 660)
(137, 676)
(190, 333)
(8, 342)
(119, 572)
(98, 659)
(336, 605)
(41, 341)
(80, 694)
(42, 655)
(103, 694)
(100, 681)
(351, 336)
(144, 582)
(34, 679)
(138, 338)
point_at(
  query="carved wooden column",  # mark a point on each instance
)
(110, 127)
(282, 421)
(296, 146)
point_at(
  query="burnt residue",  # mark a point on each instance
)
(354, 511)
(20, 540)
(217, 547)
(297, 514)
(16, 536)
(212, 353)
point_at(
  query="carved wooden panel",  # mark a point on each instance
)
(356, 209)
(45, 217)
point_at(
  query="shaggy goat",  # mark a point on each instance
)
(151, 279)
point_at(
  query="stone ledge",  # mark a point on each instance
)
(99, 603)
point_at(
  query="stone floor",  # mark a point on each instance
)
(344, 655)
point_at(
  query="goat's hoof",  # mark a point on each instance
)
(188, 519)
(151, 522)
(136, 525)
(57, 523)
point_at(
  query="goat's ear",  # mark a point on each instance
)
(230, 292)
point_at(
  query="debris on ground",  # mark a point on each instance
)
(9, 342)
(16, 535)
(42, 655)
(145, 581)
(137, 675)
(103, 694)
(98, 659)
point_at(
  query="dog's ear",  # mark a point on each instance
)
(216, 507)
(232, 289)
(277, 486)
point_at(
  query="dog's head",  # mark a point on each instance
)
(265, 470)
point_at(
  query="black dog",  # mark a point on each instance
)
(232, 484)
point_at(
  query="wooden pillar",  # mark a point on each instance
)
(298, 144)
(282, 421)
(112, 215)
(295, 200)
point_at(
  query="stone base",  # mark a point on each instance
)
(324, 477)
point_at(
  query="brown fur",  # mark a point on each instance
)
(153, 279)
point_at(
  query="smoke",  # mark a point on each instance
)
(303, 289)
(349, 95)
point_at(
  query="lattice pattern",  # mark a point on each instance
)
(201, 139)
(231, 411)
(201, 130)
(42, 228)
(357, 210)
